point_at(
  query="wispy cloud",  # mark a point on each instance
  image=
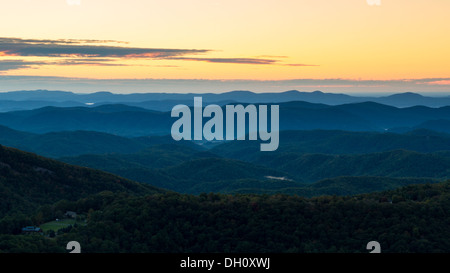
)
(230, 60)
(58, 41)
(93, 61)
(440, 81)
(259, 61)
(84, 48)
(109, 53)
(6, 65)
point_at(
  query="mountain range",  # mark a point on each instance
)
(27, 100)
(131, 121)
(72, 143)
(346, 172)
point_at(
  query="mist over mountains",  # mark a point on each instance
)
(132, 121)
(26, 100)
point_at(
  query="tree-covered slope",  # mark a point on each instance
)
(408, 219)
(398, 163)
(339, 142)
(28, 180)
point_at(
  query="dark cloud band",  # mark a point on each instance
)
(83, 48)
(6, 65)
(259, 61)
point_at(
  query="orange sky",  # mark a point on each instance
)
(241, 39)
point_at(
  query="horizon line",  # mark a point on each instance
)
(428, 86)
(369, 95)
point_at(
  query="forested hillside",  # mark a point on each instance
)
(28, 181)
(408, 219)
(339, 142)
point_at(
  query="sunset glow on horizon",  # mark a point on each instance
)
(257, 40)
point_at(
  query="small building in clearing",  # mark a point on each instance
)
(71, 214)
(30, 229)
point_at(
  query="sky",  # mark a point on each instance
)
(345, 46)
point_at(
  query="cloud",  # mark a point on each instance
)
(109, 53)
(440, 81)
(94, 62)
(230, 60)
(84, 48)
(58, 41)
(443, 82)
(259, 61)
(6, 65)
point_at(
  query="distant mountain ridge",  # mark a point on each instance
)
(26, 100)
(132, 121)
(72, 143)
(121, 120)
(338, 143)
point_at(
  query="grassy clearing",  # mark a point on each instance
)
(55, 225)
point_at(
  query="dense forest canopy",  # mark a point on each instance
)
(408, 219)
